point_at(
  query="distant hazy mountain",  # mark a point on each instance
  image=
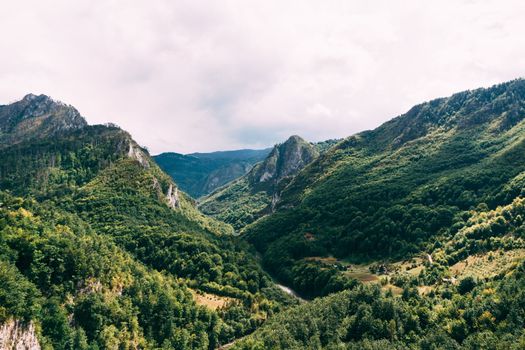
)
(199, 174)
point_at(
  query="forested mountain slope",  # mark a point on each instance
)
(470, 295)
(485, 317)
(416, 230)
(199, 174)
(399, 190)
(99, 249)
(256, 193)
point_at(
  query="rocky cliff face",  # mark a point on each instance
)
(173, 197)
(259, 192)
(137, 154)
(285, 160)
(16, 336)
(36, 116)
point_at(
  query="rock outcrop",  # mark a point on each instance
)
(173, 196)
(14, 335)
(285, 160)
(137, 154)
(37, 116)
(258, 193)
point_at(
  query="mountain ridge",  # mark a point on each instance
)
(99, 247)
(408, 236)
(37, 116)
(390, 192)
(201, 173)
(255, 194)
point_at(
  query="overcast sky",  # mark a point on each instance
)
(196, 75)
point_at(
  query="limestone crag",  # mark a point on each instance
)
(14, 335)
(285, 160)
(136, 153)
(258, 193)
(173, 196)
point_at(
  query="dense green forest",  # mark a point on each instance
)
(483, 309)
(482, 317)
(399, 190)
(99, 249)
(409, 236)
(54, 266)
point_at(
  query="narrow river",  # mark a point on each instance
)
(285, 289)
(289, 291)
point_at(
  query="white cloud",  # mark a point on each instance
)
(205, 75)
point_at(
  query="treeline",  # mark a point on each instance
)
(66, 160)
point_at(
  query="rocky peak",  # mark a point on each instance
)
(30, 97)
(37, 116)
(286, 159)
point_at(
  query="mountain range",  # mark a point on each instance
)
(408, 236)
(199, 174)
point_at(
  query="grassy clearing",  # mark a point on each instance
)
(328, 260)
(211, 301)
(362, 273)
(487, 265)
(394, 289)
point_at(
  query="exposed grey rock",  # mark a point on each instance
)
(275, 199)
(285, 160)
(265, 182)
(37, 116)
(173, 196)
(137, 154)
(156, 185)
(14, 335)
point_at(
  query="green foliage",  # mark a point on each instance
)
(396, 191)
(96, 256)
(466, 285)
(59, 164)
(237, 204)
(85, 275)
(253, 195)
(100, 259)
(18, 296)
(199, 174)
(489, 317)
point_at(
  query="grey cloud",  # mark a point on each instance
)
(197, 76)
